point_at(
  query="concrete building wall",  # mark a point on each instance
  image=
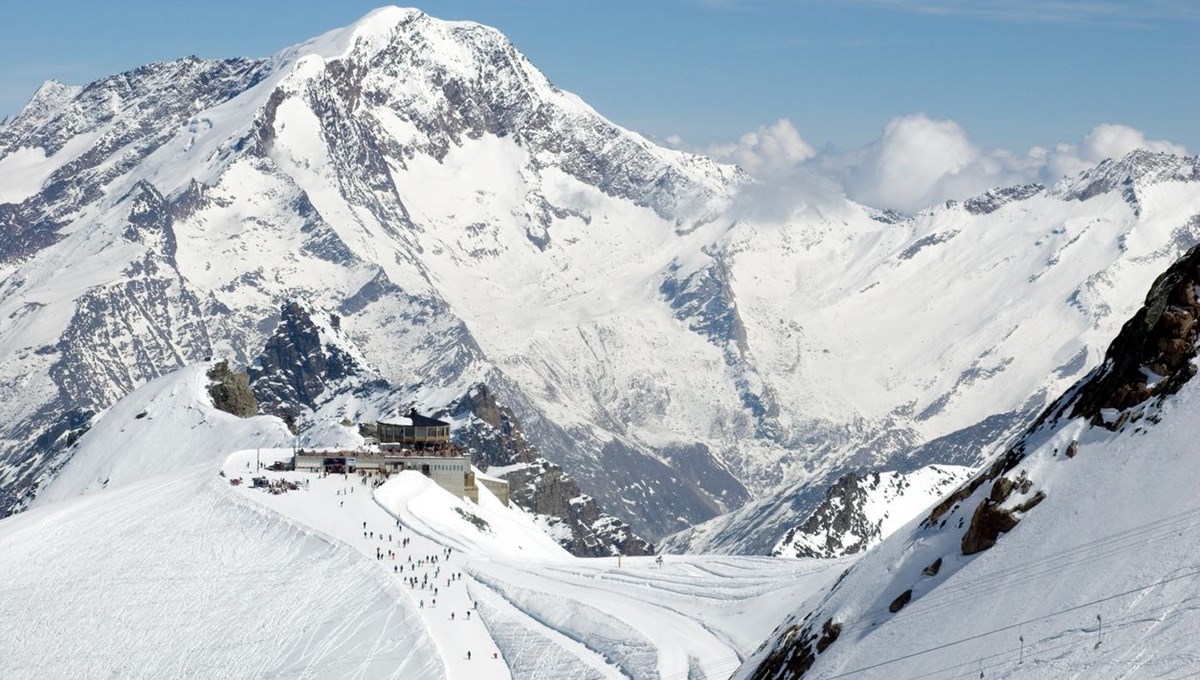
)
(498, 487)
(449, 474)
(446, 471)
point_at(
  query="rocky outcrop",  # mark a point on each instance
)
(230, 391)
(851, 518)
(297, 365)
(1152, 356)
(993, 200)
(837, 526)
(799, 652)
(496, 440)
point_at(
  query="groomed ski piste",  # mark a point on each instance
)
(184, 574)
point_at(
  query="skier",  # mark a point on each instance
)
(468, 655)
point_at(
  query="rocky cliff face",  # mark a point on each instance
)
(297, 365)
(499, 445)
(230, 391)
(861, 509)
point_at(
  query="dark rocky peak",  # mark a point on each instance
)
(992, 200)
(301, 360)
(492, 432)
(150, 221)
(839, 516)
(189, 200)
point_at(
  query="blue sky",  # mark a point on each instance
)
(1013, 73)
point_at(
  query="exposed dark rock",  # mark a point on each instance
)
(704, 300)
(829, 635)
(1031, 503)
(992, 200)
(933, 569)
(495, 438)
(887, 216)
(1152, 355)
(230, 391)
(988, 522)
(838, 516)
(925, 242)
(901, 601)
(1001, 490)
(799, 651)
(297, 365)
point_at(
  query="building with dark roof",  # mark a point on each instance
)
(414, 430)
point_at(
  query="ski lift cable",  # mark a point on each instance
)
(936, 599)
(1018, 624)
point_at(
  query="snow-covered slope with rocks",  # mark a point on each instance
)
(1070, 555)
(162, 426)
(860, 510)
(852, 514)
(674, 348)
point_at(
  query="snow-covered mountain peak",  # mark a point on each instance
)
(1132, 173)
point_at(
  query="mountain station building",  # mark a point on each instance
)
(413, 442)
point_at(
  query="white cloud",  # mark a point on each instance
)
(769, 150)
(916, 162)
(909, 165)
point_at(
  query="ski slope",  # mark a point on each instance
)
(525, 608)
(175, 577)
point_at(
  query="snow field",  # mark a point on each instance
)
(168, 578)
